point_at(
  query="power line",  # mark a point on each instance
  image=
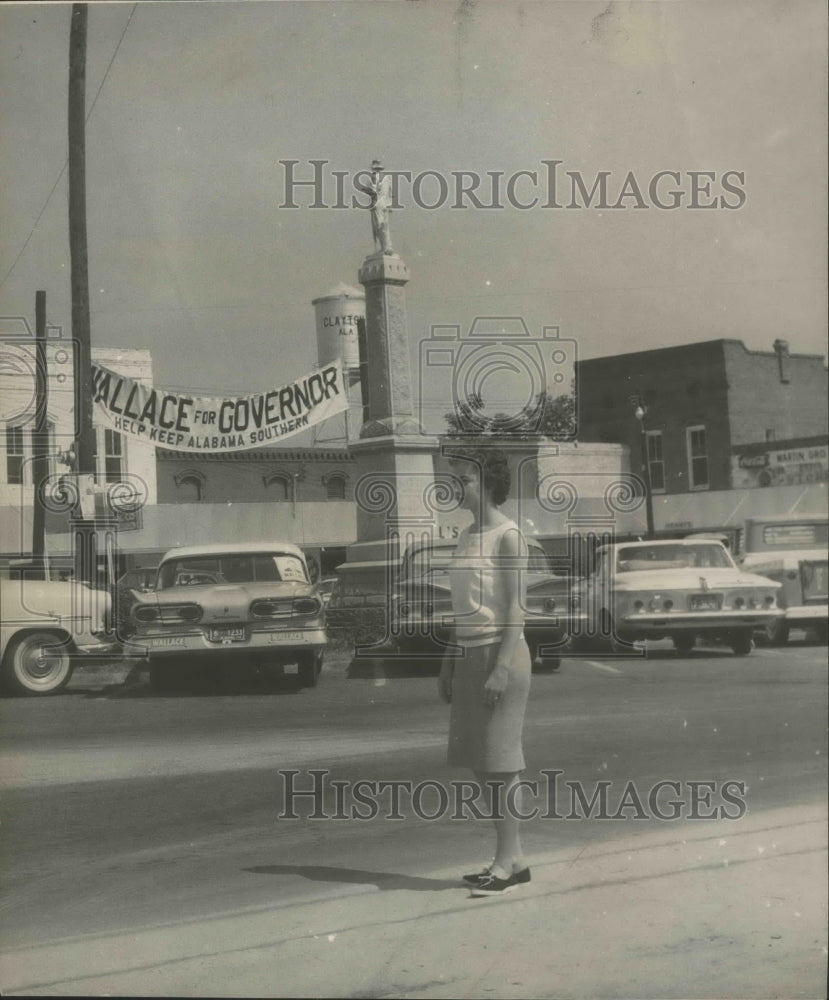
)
(66, 161)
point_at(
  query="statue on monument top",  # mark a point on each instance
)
(380, 190)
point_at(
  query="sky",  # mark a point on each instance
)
(192, 105)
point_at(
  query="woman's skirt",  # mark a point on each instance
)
(483, 738)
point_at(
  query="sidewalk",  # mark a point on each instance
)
(728, 909)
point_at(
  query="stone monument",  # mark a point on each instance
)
(396, 495)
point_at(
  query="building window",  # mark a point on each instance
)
(279, 487)
(656, 461)
(20, 451)
(113, 457)
(191, 485)
(697, 445)
(769, 434)
(14, 455)
(109, 455)
(335, 487)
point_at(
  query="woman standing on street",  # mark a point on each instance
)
(487, 682)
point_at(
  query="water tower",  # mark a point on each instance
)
(338, 317)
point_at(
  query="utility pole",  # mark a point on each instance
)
(84, 530)
(640, 413)
(40, 437)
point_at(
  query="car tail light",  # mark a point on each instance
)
(307, 606)
(270, 607)
(167, 614)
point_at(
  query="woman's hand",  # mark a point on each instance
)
(447, 670)
(495, 685)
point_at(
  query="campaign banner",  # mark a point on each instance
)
(210, 423)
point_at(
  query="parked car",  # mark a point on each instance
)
(229, 606)
(138, 580)
(680, 589)
(326, 587)
(48, 626)
(421, 611)
(795, 552)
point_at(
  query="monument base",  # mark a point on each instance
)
(398, 502)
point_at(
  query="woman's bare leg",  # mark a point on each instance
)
(505, 806)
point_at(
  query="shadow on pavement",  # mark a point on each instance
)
(356, 876)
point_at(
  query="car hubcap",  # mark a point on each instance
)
(41, 663)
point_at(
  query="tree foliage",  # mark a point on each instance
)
(545, 416)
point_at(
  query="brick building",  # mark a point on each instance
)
(704, 406)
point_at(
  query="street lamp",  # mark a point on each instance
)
(640, 413)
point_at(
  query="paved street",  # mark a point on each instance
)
(125, 810)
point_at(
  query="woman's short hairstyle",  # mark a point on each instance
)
(495, 474)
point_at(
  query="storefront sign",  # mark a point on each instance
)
(785, 467)
(208, 423)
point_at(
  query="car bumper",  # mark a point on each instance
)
(808, 614)
(701, 621)
(188, 643)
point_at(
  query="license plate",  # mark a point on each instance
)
(706, 602)
(227, 635)
(286, 637)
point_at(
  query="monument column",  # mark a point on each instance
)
(395, 492)
(390, 407)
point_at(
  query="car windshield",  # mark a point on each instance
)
(200, 571)
(704, 555)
